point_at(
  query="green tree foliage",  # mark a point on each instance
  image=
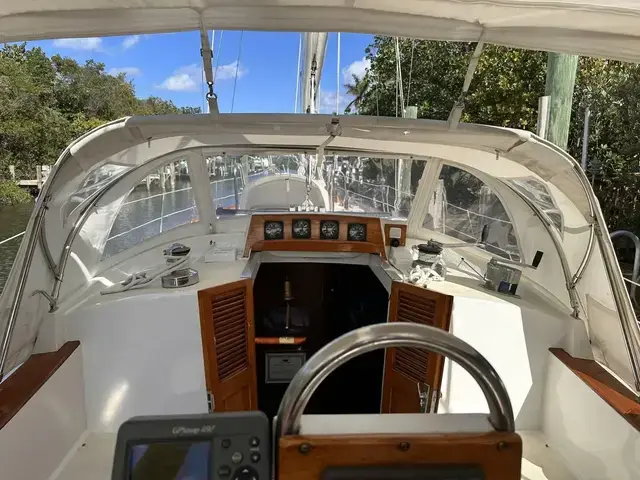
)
(12, 194)
(505, 91)
(45, 103)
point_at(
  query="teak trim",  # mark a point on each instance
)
(280, 340)
(498, 454)
(23, 384)
(609, 388)
(316, 246)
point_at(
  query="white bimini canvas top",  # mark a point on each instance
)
(602, 28)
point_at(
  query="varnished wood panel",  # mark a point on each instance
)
(498, 454)
(255, 235)
(619, 397)
(16, 390)
(315, 246)
(403, 233)
(233, 385)
(405, 367)
(280, 340)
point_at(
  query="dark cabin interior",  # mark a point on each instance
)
(325, 301)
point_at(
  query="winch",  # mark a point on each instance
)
(182, 277)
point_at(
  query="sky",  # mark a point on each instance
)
(260, 65)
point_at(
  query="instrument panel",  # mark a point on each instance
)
(315, 232)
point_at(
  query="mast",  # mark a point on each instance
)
(315, 45)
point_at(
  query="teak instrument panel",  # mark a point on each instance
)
(317, 239)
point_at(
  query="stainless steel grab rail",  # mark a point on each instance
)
(636, 259)
(385, 335)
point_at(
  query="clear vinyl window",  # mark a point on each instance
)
(94, 181)
(339, 183)
(539, 194)
(462, 206)
(163, 200)
(366, 184)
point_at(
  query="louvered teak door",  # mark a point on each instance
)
(226, 322)
(411, 374)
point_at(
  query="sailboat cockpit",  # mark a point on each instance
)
(306, 297)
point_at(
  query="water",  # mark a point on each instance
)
(13, 220)
(145, 213)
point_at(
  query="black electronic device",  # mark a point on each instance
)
(216, 446)
(404, 472)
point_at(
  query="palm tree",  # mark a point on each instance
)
(358, 88)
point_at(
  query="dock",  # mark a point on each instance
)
(42, 172)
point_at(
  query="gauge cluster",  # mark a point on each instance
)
(315, 232)
(319, 229)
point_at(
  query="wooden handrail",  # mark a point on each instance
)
(608, 387)
(16, 390)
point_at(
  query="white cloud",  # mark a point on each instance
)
(227, 72)
(128, 71)
(130, 41)
(91, 43)
(180, 82)
(357, 68)
(327, 103)
(189, 78)
(185, 79)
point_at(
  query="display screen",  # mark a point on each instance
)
(170, 461)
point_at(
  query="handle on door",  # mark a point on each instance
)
(423, 394)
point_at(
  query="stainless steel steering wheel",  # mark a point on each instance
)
(386, 335)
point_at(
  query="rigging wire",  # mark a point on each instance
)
(216, 63)
(377, 97)
(298, 75)
(235, 80)
(202, 82)
(413, 46)
(338, 79)
(399, 88)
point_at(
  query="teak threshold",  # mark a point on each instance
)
(280, 340)
(18, 389)
(609, 388)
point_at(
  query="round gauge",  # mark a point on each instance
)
(329, 229)
(273, 230)
(301, 228)
(357, 232)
